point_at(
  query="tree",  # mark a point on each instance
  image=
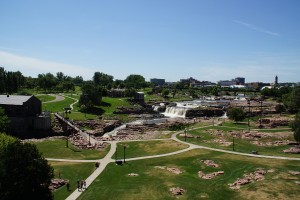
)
(102, 79)
(24, 173)
(135, 81)
(165, 93)
(236, 114)
(130, 92)
(279, 108)
(292, 100)
(91, 95)
(4, 121)
(295, 125)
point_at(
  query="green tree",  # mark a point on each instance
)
(24, 173)
(236, 114)
(295, 125)
(91, 95)
(292, 100)
(4, 121)
(279, 108)
(102, 79)
(135, 81)
(165, 92)
(130, 92)
(5, 140)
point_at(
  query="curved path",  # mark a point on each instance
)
(57, 98)
(71, 105)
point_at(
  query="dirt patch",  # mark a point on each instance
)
(57, 183)
(133, 174)
(173, 170)
(176, 191)
(210, 175)
(210, 163)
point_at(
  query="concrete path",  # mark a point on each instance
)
(103, 162)
(71, 105)
(57, 98)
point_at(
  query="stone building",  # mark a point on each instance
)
(25, 114)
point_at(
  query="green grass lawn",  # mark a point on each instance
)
(71, 172)
(45, 97)
(57, 106)
(240, 145)
(153, 183)
(57, 149)
(148, 148)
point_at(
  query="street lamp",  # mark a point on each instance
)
(232, 142)
(260, 101)
(85, 101)
(124, 152)
(185, 134)
(249, 104)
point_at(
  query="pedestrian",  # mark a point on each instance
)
(81, 185)
(68, 185)
(84, 184)
(78, 185)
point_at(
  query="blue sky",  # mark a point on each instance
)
(172, 39)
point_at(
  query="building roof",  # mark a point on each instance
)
(13, 99)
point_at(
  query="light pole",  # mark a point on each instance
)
(116, 154)
(185, 134)
(260, 101)
(249, 102)
(232, 142)
(85, 100)
(124, 152)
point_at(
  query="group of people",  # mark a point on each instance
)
(81, 185)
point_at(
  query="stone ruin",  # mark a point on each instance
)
(258, 175)
(210, 175)
(98, 127)
(274, 143)
(57, 183)
(177, 191)
(294, 172)
(293, 150)
(81, 143)
(210, 163)
(274, 122)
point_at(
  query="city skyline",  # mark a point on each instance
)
(206, 40)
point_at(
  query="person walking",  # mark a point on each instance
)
(84, 184)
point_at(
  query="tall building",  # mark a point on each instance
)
(240, 80)
(158, 81)
(276, 80)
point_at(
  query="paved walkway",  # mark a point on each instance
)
(57, 98)
(103, 162)
(108, 158)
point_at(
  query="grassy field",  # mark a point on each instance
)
(45, 97)
(57, 149)
(240, 145)
(148, 148)
(57, 106)
(153, 183)
(71, 172)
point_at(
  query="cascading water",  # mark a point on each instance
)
(175, 111)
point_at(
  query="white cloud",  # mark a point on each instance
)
(32, 66)
(253, 27)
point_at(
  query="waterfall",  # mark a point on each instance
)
(175, 111)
